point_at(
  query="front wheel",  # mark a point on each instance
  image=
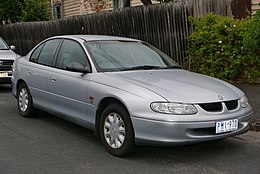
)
(116, 131)
(24, 101)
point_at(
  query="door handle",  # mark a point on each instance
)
(53, 79)
(29, 72)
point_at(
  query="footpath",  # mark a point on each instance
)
(252, 91)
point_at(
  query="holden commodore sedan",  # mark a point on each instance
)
(7, 57)
(128, 92)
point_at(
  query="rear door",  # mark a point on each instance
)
(38, 71)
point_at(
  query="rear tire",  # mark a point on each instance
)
(24, 101)
(116, 131)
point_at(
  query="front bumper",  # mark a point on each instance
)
(5, 77)
(170, 133)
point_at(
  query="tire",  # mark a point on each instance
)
(24, 101)
(116, 131)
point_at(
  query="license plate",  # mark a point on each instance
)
(226, 126)
(3, 74)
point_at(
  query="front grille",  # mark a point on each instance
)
(217, 106)
(6, 62)
(211, 107)
(6, 65)
(231, 105)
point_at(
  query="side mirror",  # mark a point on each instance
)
(12, 47)
(77, 67)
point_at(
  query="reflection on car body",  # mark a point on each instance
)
(128, 92)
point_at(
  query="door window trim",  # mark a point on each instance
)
(58, 52)
(43, 44)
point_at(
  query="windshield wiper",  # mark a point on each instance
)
(142, 67)
(149, 67)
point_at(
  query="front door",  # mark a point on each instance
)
(69, 89)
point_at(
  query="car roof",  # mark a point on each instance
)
(96, 37)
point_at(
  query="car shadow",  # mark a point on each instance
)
(67, 126)
(5, 88)
(158, 155)
(186, 154)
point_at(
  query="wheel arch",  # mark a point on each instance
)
(18, 83)
(102, 105)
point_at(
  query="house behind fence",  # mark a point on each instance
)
(166, 26)
(68, 8)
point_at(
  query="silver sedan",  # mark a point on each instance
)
(128, 92)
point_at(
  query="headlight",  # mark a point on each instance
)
(244, 101)
(174, 108)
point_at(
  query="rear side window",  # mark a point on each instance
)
(36, 53)
(48, 51)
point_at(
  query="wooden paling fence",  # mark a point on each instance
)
(166, 26)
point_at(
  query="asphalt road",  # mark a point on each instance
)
(49, 145)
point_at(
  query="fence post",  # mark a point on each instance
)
(229, 12)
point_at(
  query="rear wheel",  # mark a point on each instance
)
(116, 131)
(24, 101)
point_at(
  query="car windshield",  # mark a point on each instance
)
(128, 55)
(3, 45)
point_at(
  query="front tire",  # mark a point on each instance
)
(116, 131)
(24, 101)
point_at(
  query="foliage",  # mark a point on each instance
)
(252, 37)
(218, 47)
(23, 10)
(251, 44)
(10, 10)
(35, 10)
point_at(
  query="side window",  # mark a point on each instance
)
(48, 52)
(70, 51)
(35, 54)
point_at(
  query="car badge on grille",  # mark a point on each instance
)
(1, 62)
(220, 97)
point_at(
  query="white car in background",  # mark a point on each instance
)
(7, 57)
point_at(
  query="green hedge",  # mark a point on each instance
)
(225, 48)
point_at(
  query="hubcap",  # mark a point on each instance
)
(23, 100)
(114, 130)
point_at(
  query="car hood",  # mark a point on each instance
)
(7, 54)
(182, 85)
